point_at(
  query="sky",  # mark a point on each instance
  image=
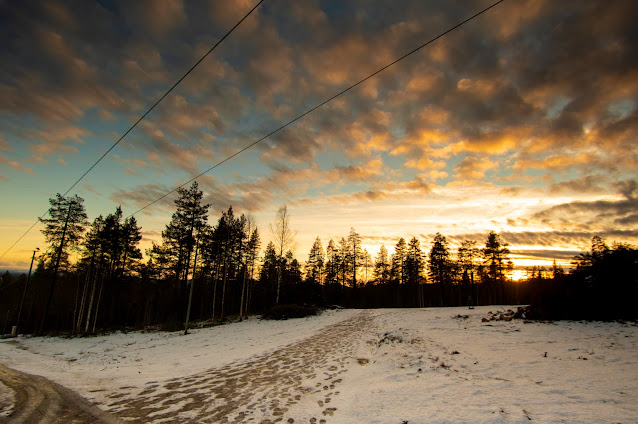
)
(522, 121)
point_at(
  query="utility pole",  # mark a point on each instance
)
(24, 293)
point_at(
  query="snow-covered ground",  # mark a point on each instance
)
(353, 366)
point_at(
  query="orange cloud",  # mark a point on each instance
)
(473, 168)
(433, 175)
(555, 162)
(494, 142)
(15, 165)
(424, 163)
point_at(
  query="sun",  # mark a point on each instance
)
(518, 275)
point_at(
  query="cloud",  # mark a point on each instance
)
(545, 254)
(549, 239)
(166, 15)
(296, 144)
(597, 215)
(555, 162)
(433, 175)
(537, 96)
(588, 184)
(380, 191)
(15, 165)
(143, 195)
(165, 152)
(105, 115)
(53, 139)
(473, 168)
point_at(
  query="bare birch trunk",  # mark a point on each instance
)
(97, 306)
(88, 314)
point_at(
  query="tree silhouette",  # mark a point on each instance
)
(316, 262)
(382, 266)
(63, 232)
(284, 238)
(495, 257)
(355, 255)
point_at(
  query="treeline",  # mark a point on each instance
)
(208, 272)
(603, 285)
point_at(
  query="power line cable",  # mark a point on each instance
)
(320, 105)
(140, 119)
(162, 98)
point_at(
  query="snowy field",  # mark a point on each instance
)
(352, 366)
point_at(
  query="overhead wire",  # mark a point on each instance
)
(309, 111)
(140, 120)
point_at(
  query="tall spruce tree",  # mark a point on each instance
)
(440, 265)
(268, 274)
(331, 263)
(382, 266)
(343, 261)
(355, 255)
(413, 263)
(316, 262)
(178, 239)
(110, 250)
(398, 262)
(252, 252)
(131, 236)
(495, 257)
(439, 261)
(63, 232)
(466, 260)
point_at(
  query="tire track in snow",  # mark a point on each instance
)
(260, 390)
(39, 400)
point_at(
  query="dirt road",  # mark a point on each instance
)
(39, 400)
(295, 383)
(262, 389)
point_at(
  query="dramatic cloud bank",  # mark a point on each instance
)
(523, 121)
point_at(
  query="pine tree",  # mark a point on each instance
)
(178, 239)
(440, 265)
(252, 252)
(355, 255)
(331, 263)
(382, 266)
(343, 261)
(466, 257)
(63, 232)
(366, 263)
(229, 235)
(269, 273)
(398, 262)
(92, 261)
(292, 269)
(495, 257)
(439, 260)
(413, 263)
(249, 231)
(316, 260)
(131, 236)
